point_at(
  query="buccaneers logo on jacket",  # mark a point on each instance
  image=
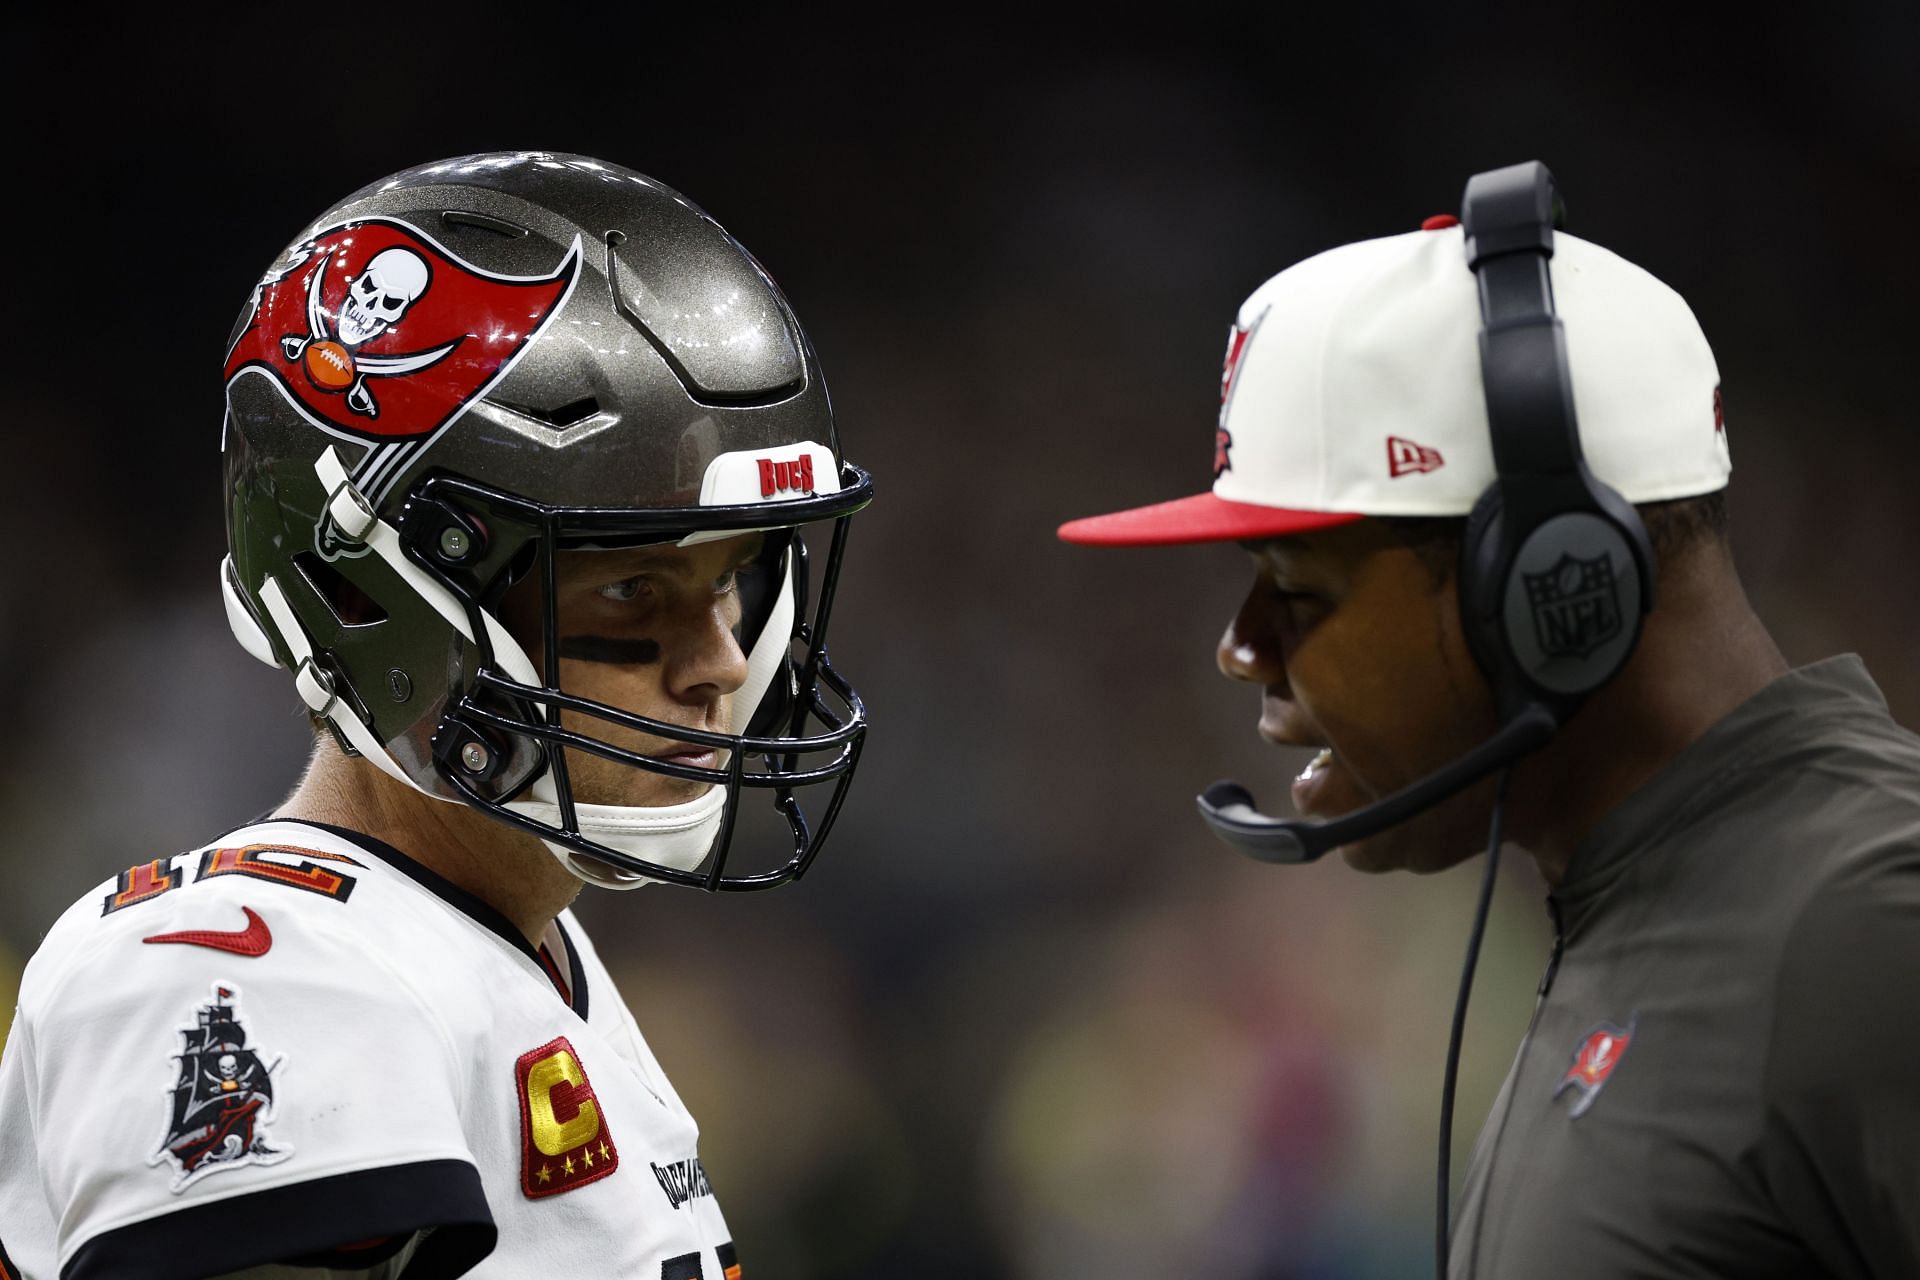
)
(379, 331)
(1593, 1062)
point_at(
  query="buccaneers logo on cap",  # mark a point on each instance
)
(1222, 438)
(379, 331)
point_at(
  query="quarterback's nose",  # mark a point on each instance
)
(707, 662)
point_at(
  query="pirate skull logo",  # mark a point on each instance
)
(381, 294)
(376, 300)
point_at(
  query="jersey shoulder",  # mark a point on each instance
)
(229, 1045)
(261, 887)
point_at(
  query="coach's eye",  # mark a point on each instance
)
(1302, 608)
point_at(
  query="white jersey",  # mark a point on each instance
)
(297, 1044)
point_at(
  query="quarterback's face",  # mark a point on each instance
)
(649, 630)
(1359, 652)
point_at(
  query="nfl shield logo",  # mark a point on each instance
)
(1576, 606)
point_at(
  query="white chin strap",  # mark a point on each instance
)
(679, 836)
(673, 835)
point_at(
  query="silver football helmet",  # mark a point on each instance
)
(466, 370)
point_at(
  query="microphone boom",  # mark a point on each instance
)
(1229, 810)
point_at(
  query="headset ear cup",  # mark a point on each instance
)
(1639, 543)
(1572, 603)
(1479, 590)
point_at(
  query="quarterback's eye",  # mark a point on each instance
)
(626, 589)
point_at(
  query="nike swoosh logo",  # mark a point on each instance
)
(250, 941)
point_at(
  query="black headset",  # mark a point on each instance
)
(1556, 571)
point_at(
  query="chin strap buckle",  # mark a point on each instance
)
(316, 686)
(348, 517)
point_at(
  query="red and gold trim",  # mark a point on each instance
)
(139, 883)
(254, 860)
(564, 1139)
(553, 974)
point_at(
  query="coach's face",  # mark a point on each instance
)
(649, 630)
(1358, 649)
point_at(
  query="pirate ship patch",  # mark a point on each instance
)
(223, 1098)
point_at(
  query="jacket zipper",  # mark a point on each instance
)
(1553, 966)
(1519, 1059)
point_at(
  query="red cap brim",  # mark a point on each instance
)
(1201, 518)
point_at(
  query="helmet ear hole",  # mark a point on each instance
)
(350, 606)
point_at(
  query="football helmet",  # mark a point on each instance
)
(469, 369)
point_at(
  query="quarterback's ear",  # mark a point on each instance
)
(348, 603)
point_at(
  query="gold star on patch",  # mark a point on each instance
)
(545, 1174)
(569, 1166)
(587, 1157)
(604, 1153)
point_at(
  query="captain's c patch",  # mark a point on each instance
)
(564, 1140)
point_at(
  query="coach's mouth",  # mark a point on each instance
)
(1326, 788)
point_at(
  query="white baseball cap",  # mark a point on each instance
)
(1352, 388)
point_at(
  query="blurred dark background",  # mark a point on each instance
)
(1025, 1018)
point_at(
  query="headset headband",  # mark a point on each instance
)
(1509, 216)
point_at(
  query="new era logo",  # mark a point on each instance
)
(1405, 457)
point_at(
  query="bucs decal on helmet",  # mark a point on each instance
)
(223, 1098)
(380, 332)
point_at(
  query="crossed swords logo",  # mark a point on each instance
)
(375, 300)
